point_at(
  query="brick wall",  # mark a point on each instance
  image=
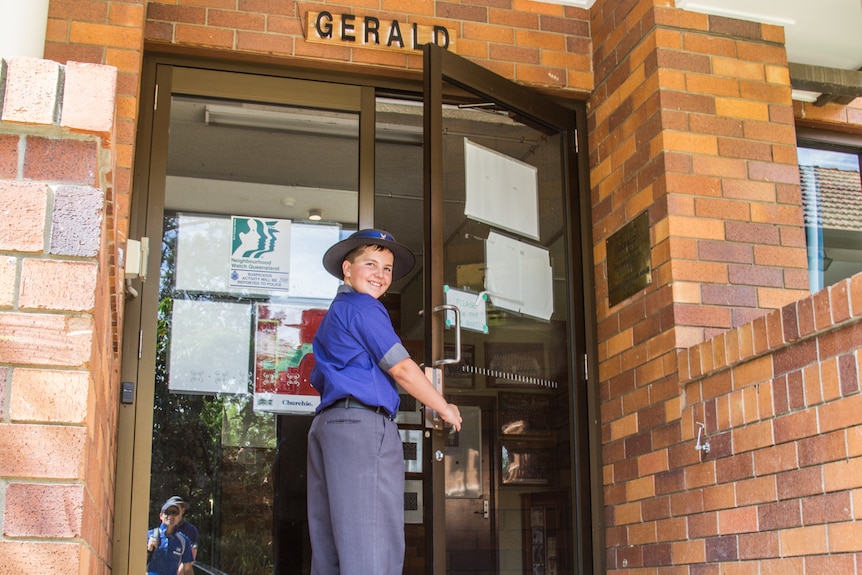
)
(533, 43)
(779, 489)
(691, 120)
(58, 360)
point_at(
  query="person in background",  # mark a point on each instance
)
(184, 526)
(355, 454)
(169, 552)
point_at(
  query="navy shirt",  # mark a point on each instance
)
(171, 551)
(354, 348)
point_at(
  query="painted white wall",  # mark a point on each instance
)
(22, 28)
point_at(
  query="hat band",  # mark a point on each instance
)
(373, 235)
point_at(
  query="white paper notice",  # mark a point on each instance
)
(204, 258)
(501, 191)
(471, 307)
(518, 276)
(210, 347)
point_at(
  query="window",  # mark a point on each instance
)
(832, 202)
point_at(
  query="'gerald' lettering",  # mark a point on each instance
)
(441, 31)
(347, 27)
(372, 28)
(372, 32)
(395, 35)
(323, 25)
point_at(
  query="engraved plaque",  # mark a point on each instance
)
(628, 260)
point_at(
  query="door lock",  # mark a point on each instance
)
(486, 509)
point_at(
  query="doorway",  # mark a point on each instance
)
(248, 178)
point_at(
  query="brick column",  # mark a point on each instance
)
(692, 122)
(57, 369)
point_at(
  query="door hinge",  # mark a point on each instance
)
(156, 98)
(576, 140)
(586, 368)
(140, 343)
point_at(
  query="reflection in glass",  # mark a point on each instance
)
(235, 202)
(832, 203)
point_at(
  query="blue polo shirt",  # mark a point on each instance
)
(171, 552)
(354, 348)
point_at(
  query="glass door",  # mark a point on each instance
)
(251, 178)
(509, 490)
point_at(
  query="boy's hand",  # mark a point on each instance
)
(452, 415)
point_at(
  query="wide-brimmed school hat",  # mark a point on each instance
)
(335, 255)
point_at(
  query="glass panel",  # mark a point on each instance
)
(504, 266)
(252, 201)
(398, 208)
(832, 200)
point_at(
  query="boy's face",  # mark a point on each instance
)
(370, 272)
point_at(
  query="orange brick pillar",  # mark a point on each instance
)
(691, 121)
(58, 379)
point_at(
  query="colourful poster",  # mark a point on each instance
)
(284, 358)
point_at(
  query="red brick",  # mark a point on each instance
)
(843, 474)
(42, 451)
(793, 484)
(845, 537)
(740, 520)
(795, 426)
(758, 545)
(756, 491)
(49, 396)
(105, 35)
(25, 208)
(89, 97)
(31, 91)
(45, 339)
(39, 510)
(9, 156)
(44, 556)
(65, 161)
(829, 508)
(841, 414)
(804, 541)
(57, 285)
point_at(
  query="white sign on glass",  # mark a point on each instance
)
(204, 251)
(472, 307)
(518, 276)
(501, 191)
(209, 347)
(260, 254)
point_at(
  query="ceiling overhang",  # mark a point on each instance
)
(834, 84)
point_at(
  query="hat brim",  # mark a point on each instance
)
(401, 266)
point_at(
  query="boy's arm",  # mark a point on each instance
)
(412, 379)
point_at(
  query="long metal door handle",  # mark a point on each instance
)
(457, 358)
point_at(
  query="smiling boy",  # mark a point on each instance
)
(355, 455)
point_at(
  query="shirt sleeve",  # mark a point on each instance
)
(378, 337)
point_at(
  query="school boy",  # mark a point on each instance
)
(355, 455)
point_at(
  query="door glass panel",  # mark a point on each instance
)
(253, 197)
(504, 267)
(398, 208)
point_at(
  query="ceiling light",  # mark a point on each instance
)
(315, 215)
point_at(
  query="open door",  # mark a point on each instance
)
(510, 492)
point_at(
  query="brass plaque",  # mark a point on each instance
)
(628, 260)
